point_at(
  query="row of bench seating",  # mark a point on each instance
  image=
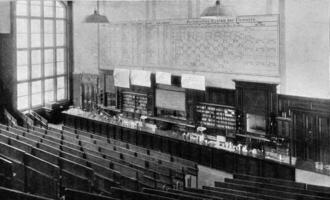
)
(191, 166)
(61, 160)
(162, 173)
(81, 175)
(251, 187)
(10, 194)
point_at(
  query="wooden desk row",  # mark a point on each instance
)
(211, 157)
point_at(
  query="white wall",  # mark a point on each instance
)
(304, 37)
(306, 48)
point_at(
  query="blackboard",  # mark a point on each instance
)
(172, 100)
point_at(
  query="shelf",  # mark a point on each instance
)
(253, 137)
(173, 121)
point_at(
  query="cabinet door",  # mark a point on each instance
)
(311, 138)
(306, 136)
(324, 135)
(299, 134)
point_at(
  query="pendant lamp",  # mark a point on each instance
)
(96, 17)
(217, 11)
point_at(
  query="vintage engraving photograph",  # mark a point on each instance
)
(164, 99)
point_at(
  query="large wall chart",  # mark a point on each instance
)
(241, 45)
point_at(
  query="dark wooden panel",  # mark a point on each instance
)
(206, 156)
(132, 136)
(112, 130)
(157, 143)
(195, 152)
(118, 133)
(230, 162)
(185, 150)
(174, 147)
(242, 164)
(219, 161)
(147, 140)
(104, 130)
(126, 132)
(140, 139)
(285, 172)
(84, 124)
(269, 169)
(253, 166)
(165, 145)
(220, 96)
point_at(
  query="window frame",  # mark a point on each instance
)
(55, 47)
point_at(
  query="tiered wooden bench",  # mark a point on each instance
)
(149, 170)
(190, 165)
(282, 185)
(251, 187)
(9, 194)
(51, 162)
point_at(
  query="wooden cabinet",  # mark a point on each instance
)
(311, 138)
(259, 101)
(284, 126)
(107, 90)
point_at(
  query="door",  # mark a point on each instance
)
(306, 137)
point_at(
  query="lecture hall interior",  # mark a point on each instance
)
(164, 99)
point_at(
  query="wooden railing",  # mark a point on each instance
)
(10, 119)
(42, 121)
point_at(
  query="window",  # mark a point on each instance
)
(41, 52)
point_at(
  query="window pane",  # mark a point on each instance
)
(60, 12)
(22, 73)
(22, 25)
(22, 40)
(22, 102)
(60, 82)
(36, 71)
(35, 8)
(22, 58)
(49, 55)
(60, 94)
(35, 26)
(59, 39)
(36, 99)
(60, 26)
(22, 89)
(21, 8)
(49, 69)
(49, 40)
(48, 8)
(36, 87)
(60, 54)
(49, 26)
(49, 96)
(36, 57)
(49, 84)
(60, 68)
(49, 62)
(35, 40)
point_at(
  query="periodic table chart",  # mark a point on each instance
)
(240, 45)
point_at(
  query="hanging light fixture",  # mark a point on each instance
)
(96, 17)
(217, 11)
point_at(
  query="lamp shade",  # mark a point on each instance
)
(96, 18)
(217, 11)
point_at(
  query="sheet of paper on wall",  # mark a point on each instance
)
(141, 78)
(121, 78)
(191, 81)
(5, 17)
(163, 78)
